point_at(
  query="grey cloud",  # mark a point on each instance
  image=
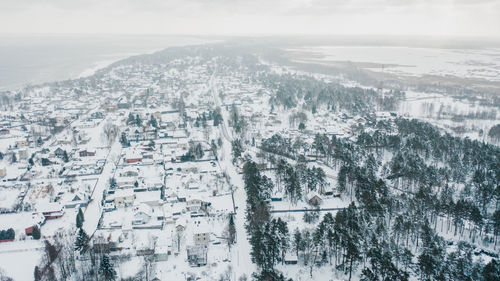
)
(250, 15)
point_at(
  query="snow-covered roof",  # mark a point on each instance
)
(143, 208)
(123, 193)
(48, 207)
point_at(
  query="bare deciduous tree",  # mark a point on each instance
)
(110, 132)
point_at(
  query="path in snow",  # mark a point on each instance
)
(241, 260)
(93, 211)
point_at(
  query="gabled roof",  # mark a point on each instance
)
(143, 208)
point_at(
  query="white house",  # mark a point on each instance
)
(124, 198)
(194, 205)
(201, 233)
(142, 214)
(125, 182)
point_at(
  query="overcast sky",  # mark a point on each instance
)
(229, 17)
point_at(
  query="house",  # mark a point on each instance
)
(59, 120)
(290, 258)
(201, 233)
(277, 197)
(4, 131)
(124, 198)
(144, 245)
(142, 214)
(129, 173)
(3, 172)
(133, 157)
(197, 255)
(46, 162)
(125, 182)
(157, 115)
(194, 205)
(326, 189)
(313, 199)
(59, 152)
(123, 104)
(50, 210)
(38, 219)
(150, 198)
(262, 166)
(360, 120)
(163, 247)
(101, 246)
(180, 227)
(29, 231)
(23, 153)
(21, 143)
(77, 200)
(85, 153)
(181, 196)
(110, 107)
(109, 206)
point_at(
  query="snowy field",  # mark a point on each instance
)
(464, 63)
(19, 258)
(454, 114)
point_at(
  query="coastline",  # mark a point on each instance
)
(101, 64)
(34, 60)
(87, 71)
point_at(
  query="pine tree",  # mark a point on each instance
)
(297, 241)
(65, 156)
(36, 232)
(37, 274)
(496, 224)
(112, 183)
(51, 251)
(82, 241)
(138, 121)
(124, 141)
(302, 126)
(283, 237)
(79, 218)
(106, 269)
(131, 118)
(237, 149)
(231, 230)
(162, 192)
(491, 271)
(292, 185)
(153, 122)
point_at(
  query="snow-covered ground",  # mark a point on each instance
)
(18, 259)
(465, 63)
(462, 117)
(153, 164)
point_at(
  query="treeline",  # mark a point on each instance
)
(268, 237)
(202, 119)
(298, 180)
(8, 234)
(410, 183)
(278, 145)
(455, 178)
(289, 90)
(388, 235)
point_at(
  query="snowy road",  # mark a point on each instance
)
(241, 260)
(93, 211)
